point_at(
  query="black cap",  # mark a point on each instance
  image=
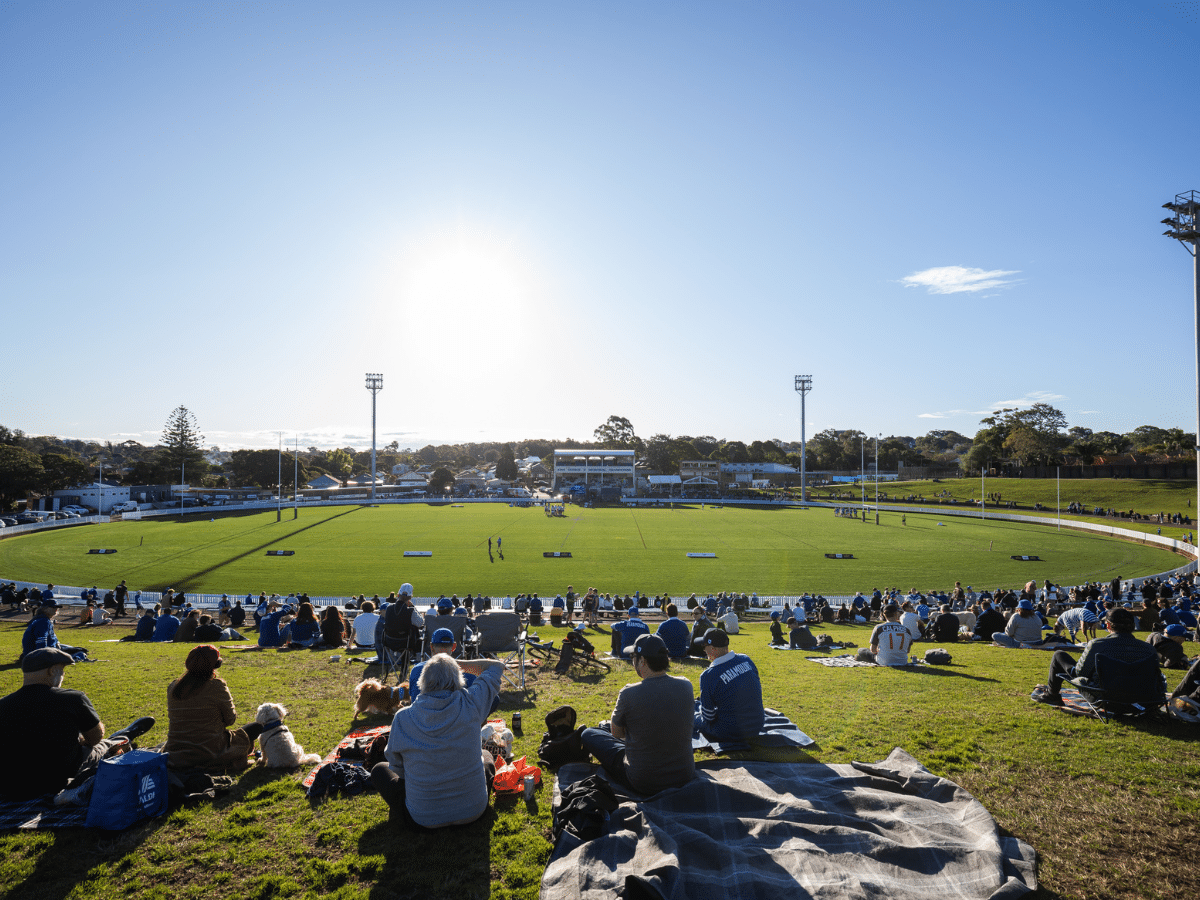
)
(715, 637)
(649, 646)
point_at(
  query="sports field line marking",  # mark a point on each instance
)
(639, 528)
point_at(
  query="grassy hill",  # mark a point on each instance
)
(1112, 809)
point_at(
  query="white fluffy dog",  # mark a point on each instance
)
(279, 748)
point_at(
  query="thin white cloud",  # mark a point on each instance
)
(959, 279)
(1028, 400)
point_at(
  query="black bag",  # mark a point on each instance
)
(584, 808)
(553, 753)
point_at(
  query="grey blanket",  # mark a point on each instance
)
(754, 829)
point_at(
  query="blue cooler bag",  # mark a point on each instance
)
(128, 788)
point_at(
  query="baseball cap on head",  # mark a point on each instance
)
(442, 636)
(716, 637)
(406, 590)
(649, 646)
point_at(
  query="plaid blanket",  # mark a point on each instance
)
(41, 813)
(809, 650)
(753, 829)
(778, 731)
(349, 739)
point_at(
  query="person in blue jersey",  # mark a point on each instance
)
(165, 625)
(674, 633)
(625, 634)
(731, 705)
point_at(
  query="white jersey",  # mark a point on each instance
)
(893, 640)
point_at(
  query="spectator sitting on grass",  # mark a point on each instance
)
(890, 640)
(700, 627)
(990, 621)
(186, 632)
(145, 625)
(207, 630)
(624, 634)
(945, 626)
(364, 626)
(910, 620)
(1024, 628)
(799, 637)
(333, 627)
(39, 633)
(165, 626)
(729, 622)
(268, 626)
(304, 631)
(1169, 647)
(777, 630)
(674, 633)
(731, 706)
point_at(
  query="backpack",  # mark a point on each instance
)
(562, 743)
(938, 657)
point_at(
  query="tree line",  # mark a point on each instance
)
(1008, 438)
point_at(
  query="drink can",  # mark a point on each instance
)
(529, 787)
(516, 722)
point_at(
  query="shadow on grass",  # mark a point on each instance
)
(189, 581)
(943, 672)
(447, 862)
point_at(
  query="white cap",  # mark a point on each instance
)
(406, 589)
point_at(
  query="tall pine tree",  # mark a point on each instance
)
(182, 449)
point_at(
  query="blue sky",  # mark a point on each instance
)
(531, 216)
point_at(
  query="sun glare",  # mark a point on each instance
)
(474, 283)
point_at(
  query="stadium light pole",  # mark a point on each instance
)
(279, 482)
(803, 386)
(374, 385)
(1182, 226)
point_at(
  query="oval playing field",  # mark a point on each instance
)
(356, 549)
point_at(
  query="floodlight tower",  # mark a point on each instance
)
(803, 386)
(374, 385)
(1183, 228)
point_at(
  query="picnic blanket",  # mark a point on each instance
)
(332, 755)
(41, 813)
(753, 829)
(777, 731)
(844, 662)
(806, 649)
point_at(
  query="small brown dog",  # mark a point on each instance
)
(373, 698)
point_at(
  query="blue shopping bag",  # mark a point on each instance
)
(127, 789)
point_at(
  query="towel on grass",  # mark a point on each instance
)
(754, 829)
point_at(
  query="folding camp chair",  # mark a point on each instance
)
(457, 626)
(1123, 689)
(399, 654)
(501, 637)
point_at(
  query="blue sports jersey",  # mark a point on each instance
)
(731, 705)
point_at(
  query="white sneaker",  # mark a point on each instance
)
(79, 795)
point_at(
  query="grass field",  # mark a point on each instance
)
(353, 549)
(1146, 497)
(1112, 809)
